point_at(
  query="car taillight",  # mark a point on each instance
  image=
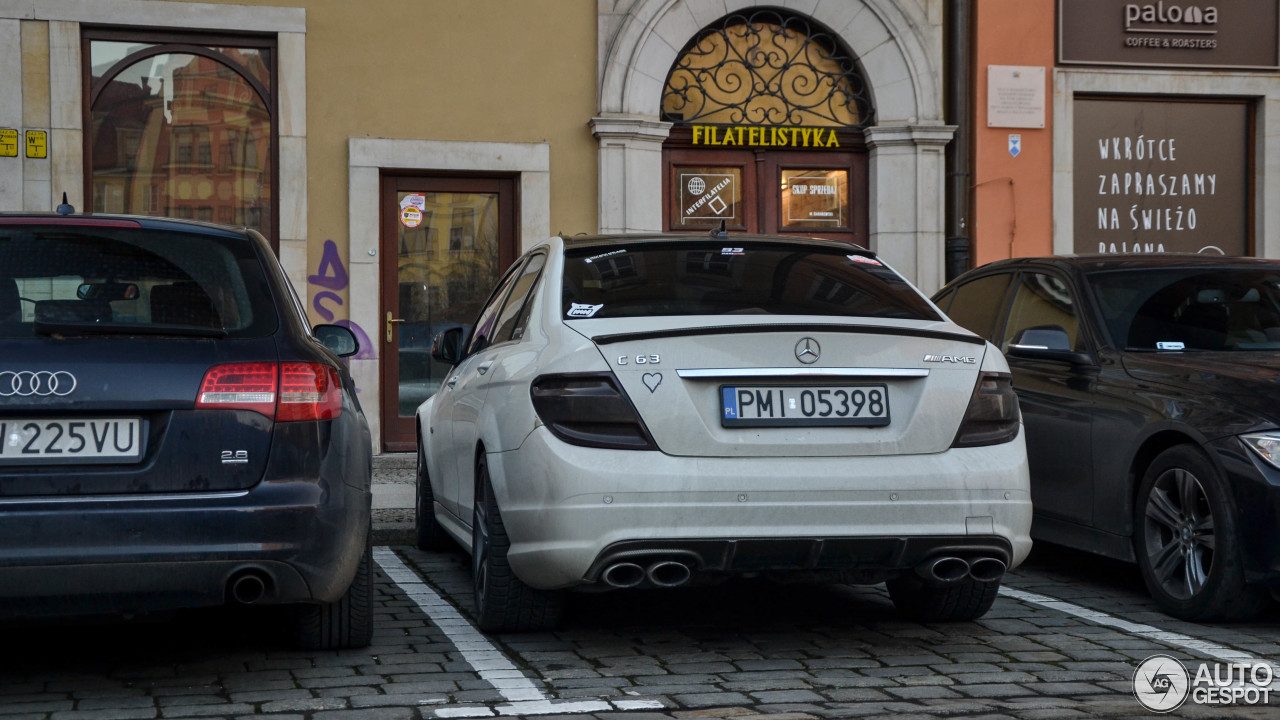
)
(992, 417)
(590, 410)
(284, 392)
(308, 391)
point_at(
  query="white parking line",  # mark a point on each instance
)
(1194, 646)
(524, 697)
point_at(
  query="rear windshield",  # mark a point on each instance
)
(103, 280)
(1191, 308)
(694, 278)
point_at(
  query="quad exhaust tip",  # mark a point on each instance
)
(623, 575)
(662, 573)
(947, 569)
(669, 573)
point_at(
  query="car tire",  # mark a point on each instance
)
(430, 535)
(347, 623)
(1187, 542)
(967, 599)
(503, 602)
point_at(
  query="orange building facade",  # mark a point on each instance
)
(1152, 129)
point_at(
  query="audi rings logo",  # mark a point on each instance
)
(42, 383)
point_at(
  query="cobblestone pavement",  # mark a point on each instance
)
(1062, 641)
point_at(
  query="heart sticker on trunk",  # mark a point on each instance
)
(652, 380)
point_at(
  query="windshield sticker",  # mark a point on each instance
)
(582, 310)
(1170, 346)
(594, 258)
(731, 251)
(863, 259)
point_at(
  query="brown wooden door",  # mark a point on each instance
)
(445, 243)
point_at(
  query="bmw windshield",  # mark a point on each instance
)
(1218, 309)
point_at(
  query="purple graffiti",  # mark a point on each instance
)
(333, 276)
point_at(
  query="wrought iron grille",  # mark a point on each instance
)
(766, 68)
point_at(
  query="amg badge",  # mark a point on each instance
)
(966, 359)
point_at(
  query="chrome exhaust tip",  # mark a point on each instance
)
(623, 575)
(987, 569)
(669, 573)
(943, 570)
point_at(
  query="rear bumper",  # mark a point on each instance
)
(569, 509)
(143, 553)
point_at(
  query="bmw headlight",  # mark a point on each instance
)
(1266, 445)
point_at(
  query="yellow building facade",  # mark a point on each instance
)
(399, 155)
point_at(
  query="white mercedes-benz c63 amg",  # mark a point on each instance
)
(658, 411)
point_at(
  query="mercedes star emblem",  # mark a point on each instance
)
(808, 350)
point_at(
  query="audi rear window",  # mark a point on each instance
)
(696, 278)
(68, 280)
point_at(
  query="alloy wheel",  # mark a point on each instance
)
(1179, 531)
(480, 548)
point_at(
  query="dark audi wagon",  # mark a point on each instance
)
(173, 434)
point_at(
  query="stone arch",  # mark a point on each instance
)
(897, 42)
(887, 37)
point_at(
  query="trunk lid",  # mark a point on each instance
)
(101, 415)
(688, 376)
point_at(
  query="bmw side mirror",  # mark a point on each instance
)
(1046, 342)
(338, 339)
(446, 346)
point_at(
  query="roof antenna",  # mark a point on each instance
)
(720, 232)
(65, 208)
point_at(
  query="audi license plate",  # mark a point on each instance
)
(777, 406)
(66, 440)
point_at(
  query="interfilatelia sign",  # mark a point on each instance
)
(1170, 33)
(1155, 176)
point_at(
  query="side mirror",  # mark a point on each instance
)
(1046, 342)
(446, 346)
(338, 339)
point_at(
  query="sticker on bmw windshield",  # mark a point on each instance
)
(583, 310)
(863, 259)
(1170, 346)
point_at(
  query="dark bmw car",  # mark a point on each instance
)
(1150, 391)
(172, 433)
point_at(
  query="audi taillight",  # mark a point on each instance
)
(992, 416)
(590, 410)
(284, 392)
(308, 391)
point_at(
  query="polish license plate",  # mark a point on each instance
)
(41, 441)
(864, 405)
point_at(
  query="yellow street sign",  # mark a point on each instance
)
(8, 142)
(37, 144)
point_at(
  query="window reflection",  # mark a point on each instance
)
(181, 135)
